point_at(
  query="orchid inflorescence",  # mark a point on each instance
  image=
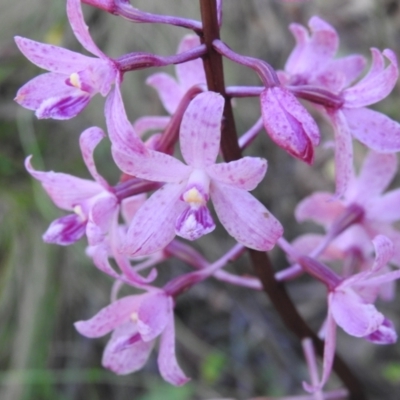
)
(129, 230)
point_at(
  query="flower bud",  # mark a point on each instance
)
(288, 123)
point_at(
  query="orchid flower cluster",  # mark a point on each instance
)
(163, 202)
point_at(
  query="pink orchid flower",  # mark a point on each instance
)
(136, 321)
(350, 305)
(179, 207)
(93, 202)
(73, 79)
(311, 67)
(378, 211)
(188, 74)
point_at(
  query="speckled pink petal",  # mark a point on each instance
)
(65, 190)
(200, 132)
(88, 141)
(153, 166)
(376, 173)
(352, 314)
(319, 207)
(244, 217)
(154, 123)
(312, 52)
(80, 29)
(108, 318)
(153, 226)
(154, 312)
(377, 84)
(190, 73)
(53, 58)
(129, 359)
(168, 89)
(385, 334)
(343, 152)
(386, 207)
(245, 173)
(120, 130)
(374, 129)
(41, 88)
(167, 363)
(104, 207)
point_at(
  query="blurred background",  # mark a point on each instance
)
(229, 340)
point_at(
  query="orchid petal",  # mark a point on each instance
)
(352, 315)
(129, 359)
(80, 29)
(41, 88)
(376, 85)
(245, 173)
(374, 129)
(167, 363)
(65, 190)
(145, 124)
(190, 73)
(108, 318)
(88, 141)
(153, 226)
(244, 217)
(376, 173)
(153, 166)
(343, 152)
(319, 207)
(385, 334)
(200, 131)
(168, 89)
(63, 107)
(153, 315)
(104, 207)
(100, 259)
(65, 230)
(120, 130)
(385, 208)
(53, 58)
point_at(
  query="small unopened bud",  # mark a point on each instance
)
(288, 123)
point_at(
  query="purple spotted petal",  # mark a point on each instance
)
(190, 73)
(353, 315)
(65, 190)
(122, 135)
(343, 152)
(65, 230)
(80, 29)
(168, 89)
(376, 85)
(244, 217)
(131, 357)
(245, 173)
(88, 141)
(53, 58)
(200, 132)
(154, 312)
(108, 318)
(167, 363)
(374, 129)
(43, 87)
(319, 207)
(153, 226)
